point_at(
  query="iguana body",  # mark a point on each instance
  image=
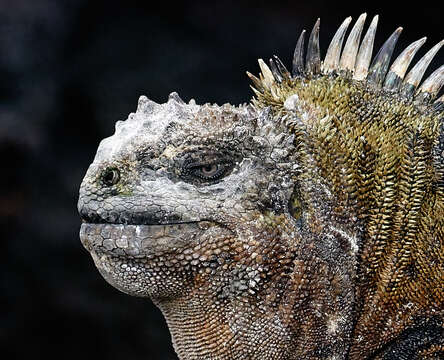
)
(307, 225)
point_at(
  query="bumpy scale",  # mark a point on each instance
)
(308, 224)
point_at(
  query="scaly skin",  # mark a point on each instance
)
(308, 225)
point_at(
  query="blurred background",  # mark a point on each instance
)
(69, 70)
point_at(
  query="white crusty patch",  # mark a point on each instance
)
(146, 125)
(291, 102)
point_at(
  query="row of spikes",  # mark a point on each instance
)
(147, 105)
(355, 59)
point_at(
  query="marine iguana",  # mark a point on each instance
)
(308, 224)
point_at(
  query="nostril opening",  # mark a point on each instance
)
(110, 176)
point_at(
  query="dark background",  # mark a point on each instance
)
(68, 71)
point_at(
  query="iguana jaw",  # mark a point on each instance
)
(132, 258)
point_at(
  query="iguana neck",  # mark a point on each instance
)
(263, 327)
(205, 329)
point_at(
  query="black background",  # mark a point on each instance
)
(68, 71)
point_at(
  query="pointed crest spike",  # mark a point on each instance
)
(348, 58)
(298, 57)
(313, 60)
(365, 51)
(275, 71)
(380, 64)
(415, 75)
(399, 67)
(267, 74)
(282, 69)
(331, 61)
(433, 84)
(256, 92)
(256, 81)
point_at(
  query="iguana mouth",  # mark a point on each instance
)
(142, 240)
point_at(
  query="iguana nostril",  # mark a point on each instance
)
(110, 176)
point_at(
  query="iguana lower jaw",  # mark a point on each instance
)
(133, 258)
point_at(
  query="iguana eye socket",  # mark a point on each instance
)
(205, 167)
(205, 172)
(209, 172)
(110, 176)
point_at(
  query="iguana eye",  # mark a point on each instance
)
(206, 167)
(110, 176)
(209, 172)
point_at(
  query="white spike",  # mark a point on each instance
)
(365, 51)
(266, 72)
(348, 58)
(415, 75)
(402, 62)
(434, 82)
(331, 61)
(256, 92)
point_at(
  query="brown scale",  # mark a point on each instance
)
(374, 149)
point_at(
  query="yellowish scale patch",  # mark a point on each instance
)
(374, 150)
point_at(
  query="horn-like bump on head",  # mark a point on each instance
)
(380, 64)
(365, 51)
(313, 60)
(331, 60)
(399, 67)
(415, 75)
(145, 105)
(348, 58)
(174, 96)
(298, 57)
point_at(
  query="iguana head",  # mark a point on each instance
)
(180, 188)
(293, 227)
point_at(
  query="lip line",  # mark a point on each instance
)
(157, 224)
(92, 245)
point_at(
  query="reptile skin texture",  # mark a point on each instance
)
(308, 224)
